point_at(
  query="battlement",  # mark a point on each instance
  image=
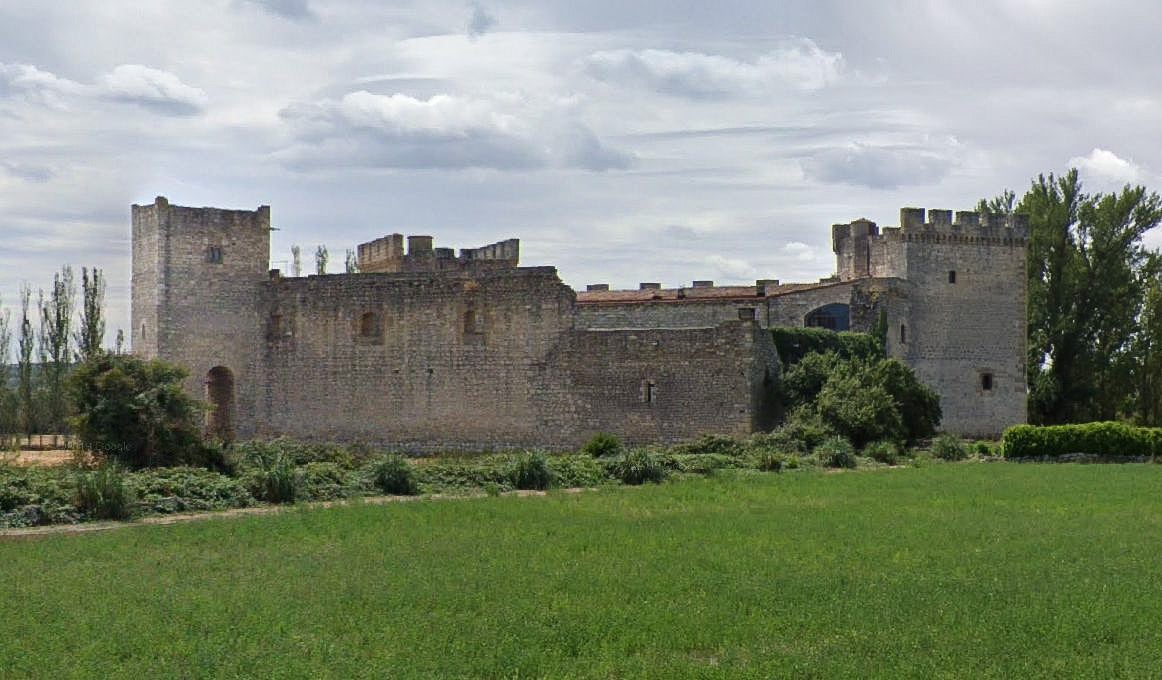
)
(964, 223)
(386, 255)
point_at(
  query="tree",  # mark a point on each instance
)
(296, 261)
(136, 412)
(321, 260)
(25, 347)
(91, 327)
(1087, 279)
(56, 313)
(9, 421)
(352, 263)
(1148, 351)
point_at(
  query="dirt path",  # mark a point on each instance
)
(182, 518)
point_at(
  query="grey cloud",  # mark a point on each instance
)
(877, 167)
(797, 65)
(480, 22)
(27, 171)
(154, 89)
(399, 131)
(288, 9)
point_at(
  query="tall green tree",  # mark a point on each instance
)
(1148, 352)
(91, 325)
(25, 348)
(9, 422)
(56, 314)
(1088, 273)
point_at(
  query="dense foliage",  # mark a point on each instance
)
(863, 399)
(793, 344)
(1109, 439)
(1094, 311)
(135, 412)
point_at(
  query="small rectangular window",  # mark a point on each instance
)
(986, 381)
(651, 392)
(746, 313)
(952, 276)
(903, 334)
(214, 255)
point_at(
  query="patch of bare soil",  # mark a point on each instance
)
(50, 458)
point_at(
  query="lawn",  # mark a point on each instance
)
(969, 570)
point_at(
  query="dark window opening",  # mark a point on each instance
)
(746, 314)
(833, 317)
(986, 381)
(214, 255)
(903, 334)
(952, 276)
(369, 325)
(276, 326)
(651, 392)
(220, 395)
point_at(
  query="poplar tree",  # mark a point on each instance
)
(56, 313)
(321, 257)
(8, 404)
(296, 261)
(91, 331)
(25, 346)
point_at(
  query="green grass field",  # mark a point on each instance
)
(974, 570)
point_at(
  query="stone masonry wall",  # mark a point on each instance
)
(198, 297)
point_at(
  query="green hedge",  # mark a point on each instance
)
(795, 343)
(1101, 439)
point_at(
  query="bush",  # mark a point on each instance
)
(770, 461)
(325, 481)
(780, 440)
(103, 494)
(577, 471)
(263, 453)
(794, 344)
(949, 447)
(135, 412)
(602, 445)
(884, 451)
(859, 411)
(1100, 439)
(703, 463)
(393, 475)
(532, 472)
(711, 444)
(984, 448)
(461, 475)
(639, 466)
(836, 452)
(807, 428)
(181, 489)
(276, 482)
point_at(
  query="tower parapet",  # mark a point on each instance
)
(386, 255)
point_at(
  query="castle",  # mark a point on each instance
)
(427, 349)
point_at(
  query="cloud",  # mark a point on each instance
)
(152, 88)
(1107, 166)
(731, 268)
(28, 172)
(444, 131)
(799, 251)
(480, 22)
(37, 86)
(287, 9)
(877, 167)
(798, 65)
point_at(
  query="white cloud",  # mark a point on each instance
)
(799, 65)
(153, 88)
(731, 268)
(1106, 166)
(799, 251)
(444, 131)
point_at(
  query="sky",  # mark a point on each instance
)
(620, 141)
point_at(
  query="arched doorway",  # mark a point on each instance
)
(220, 395)
(833, 317)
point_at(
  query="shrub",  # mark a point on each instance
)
(602, 445)
(836, 452)
(918, 404)
(703, 463)
(180, 489)
(770, 461)
(135, 412)
(1101, 439)
(807, 428)
(794, 344)
(884, 451)
(711, 444)
(577, 471)
(453, 475)
(859, 411)
(263, 453)
(779, 440)
(532, 472)
(393, 474)
(949, 447)
(103, 494)
(639, 466)
(324, 481)
(276, 482)
(983, 448)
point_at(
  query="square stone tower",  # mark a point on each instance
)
(961, 319)
(196, 290)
